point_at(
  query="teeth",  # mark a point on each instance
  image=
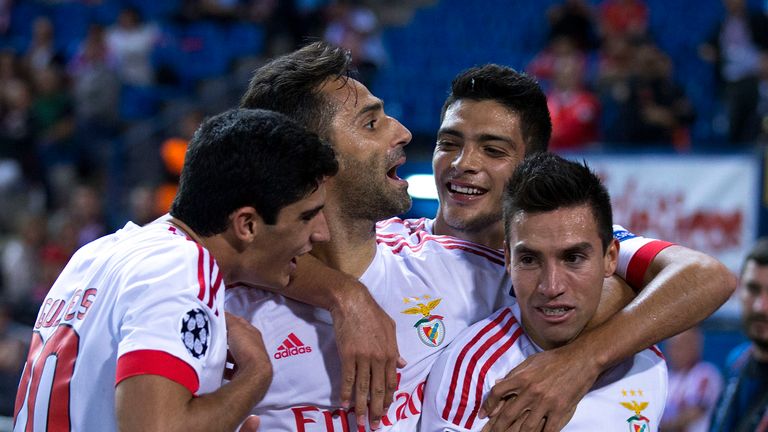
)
(554, 311)
(464, 190)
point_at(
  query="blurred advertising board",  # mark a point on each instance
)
(707, 203)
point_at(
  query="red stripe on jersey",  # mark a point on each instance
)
(153, 362)
(200, 272)
(293, 338)
(460, 359)
(657, 351)
(641, 260)
(215, 290)
(484, 371)
(398, 242)
(471, 367)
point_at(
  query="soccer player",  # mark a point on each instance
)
(432, 286)
(744, 403)
(133, 337)
(559, 249)
(493, 118)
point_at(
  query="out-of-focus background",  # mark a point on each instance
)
(668, 100)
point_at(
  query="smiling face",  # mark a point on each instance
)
(557, 266)
(272, 254)
(479, 144)
(369, 146)
(753, 293)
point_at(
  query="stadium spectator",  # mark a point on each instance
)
(54, 121)
(356, 28)
(651, 108)
(19, 264)
(744, 404)
(623, 18)
(574, 109)
(738, 48)
(132, 40)
(42, 52)
(694, 385)
(574, 20)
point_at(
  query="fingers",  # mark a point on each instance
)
(362, 387)
(379, 399)
(391, 381)
(348, 370)
(501, 391)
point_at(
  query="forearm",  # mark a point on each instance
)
(317, 284)
(682, 288)
(153, 403)
(615, 296)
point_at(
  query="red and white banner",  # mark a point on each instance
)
(707, 203)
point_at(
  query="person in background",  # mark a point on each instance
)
(744, 404)
(694, 385)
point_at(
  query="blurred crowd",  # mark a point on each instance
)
(607, 80)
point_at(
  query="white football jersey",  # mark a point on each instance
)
(144, 300)
(432, 286)
(631, 394)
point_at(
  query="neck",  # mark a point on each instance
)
(219, 246)
(352, 245)
(491, 236)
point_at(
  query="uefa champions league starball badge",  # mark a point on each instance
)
(430, 328)
(196, 332)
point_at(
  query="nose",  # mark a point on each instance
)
(320, 232)
(761, 302)
(552, 282)
(466, 160)
(403, 136)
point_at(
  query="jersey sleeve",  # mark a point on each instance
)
(171, 321)
(464, 373)
(635, 255)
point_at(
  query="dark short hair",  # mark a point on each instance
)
(291, 84)
(246, 157)
(517, 91)
(545, 182)
(758, 253)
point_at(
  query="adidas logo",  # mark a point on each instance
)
(291, 346)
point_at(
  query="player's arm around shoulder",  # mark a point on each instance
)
(155, 403)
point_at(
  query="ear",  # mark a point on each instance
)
(246, 224)
(611, 258)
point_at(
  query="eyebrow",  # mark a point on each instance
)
(578, 247)
(482, 137)
(522, 249)
(378, 105)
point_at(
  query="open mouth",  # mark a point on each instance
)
(555, 311)
(392, 172)
(465, 190)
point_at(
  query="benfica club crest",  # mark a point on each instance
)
(430, 328)
(638, 422)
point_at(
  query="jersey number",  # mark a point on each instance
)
(62, 347)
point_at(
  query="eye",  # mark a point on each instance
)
(575, 258)
(445, 145)
(495, 151)
(371, 124)
(526, 261)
